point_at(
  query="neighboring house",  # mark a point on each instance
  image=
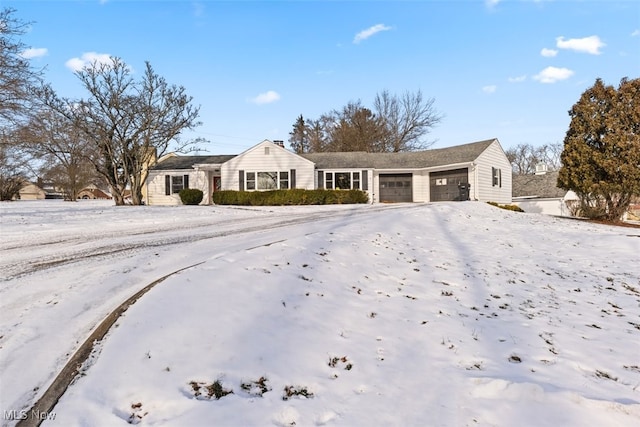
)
(40, 191)
(539, 193)
(92, 192)
(32, 192)
(475, 171)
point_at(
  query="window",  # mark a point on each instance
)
(251, 180)
(497, 177)
(284, 180)
(267, 180)
(174, 183)
(341, 180)
(266, 151)
(328, 180)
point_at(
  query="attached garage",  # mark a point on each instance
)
(451, 185)
(395, 188)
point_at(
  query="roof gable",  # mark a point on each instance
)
(272, 146)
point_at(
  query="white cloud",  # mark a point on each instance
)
(491, 3)
(517, 79)
(635, 33)
(553, 74)
(34, 52)
(365, 34)
(548, 53)
(266, 97)
(591, 44)
(87, 58)
(198, 9)
(489, 89)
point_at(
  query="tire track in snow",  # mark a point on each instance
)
(73, 367)
(31, 263)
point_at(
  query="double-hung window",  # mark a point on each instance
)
(284, 181)
(251, 180)
(174, 183)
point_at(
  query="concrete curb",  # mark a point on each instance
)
(43, 406)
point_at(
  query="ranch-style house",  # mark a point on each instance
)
(476, 171)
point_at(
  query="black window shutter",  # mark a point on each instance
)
(365, 180)
(167, 185)
(320, 179)
(241, 180)
(292, 178)
(493, 177)
(500, 177)
(186, 181)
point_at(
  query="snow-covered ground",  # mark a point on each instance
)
(447, 314)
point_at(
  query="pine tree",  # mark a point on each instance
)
(298, 138)
(601, 156)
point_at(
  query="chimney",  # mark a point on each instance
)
(279, 142)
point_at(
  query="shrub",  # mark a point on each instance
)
(190, 196)
(296, 196)
(514, 208)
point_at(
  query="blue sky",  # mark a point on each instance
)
(509, 69)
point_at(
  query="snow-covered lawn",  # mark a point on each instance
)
(447, 314)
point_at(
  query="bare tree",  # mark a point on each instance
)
(317, 131)
(64, 150)
(405, 120)
(128, 122)
(13, 167)
(17, 78)
(525, 157)
(394, 124)
(354, 128)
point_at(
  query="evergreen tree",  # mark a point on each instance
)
(298, 137)
(601, 156)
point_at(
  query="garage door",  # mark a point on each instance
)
(449, 185)
(396, 188)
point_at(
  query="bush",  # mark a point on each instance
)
(190, 196)
(514, 208)
(296, 196)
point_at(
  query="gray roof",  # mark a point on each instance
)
(187, 162)
(542, 186)
(358, 159)
(406, 160)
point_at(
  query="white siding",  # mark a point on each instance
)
(277, 159)
(482, 187)
(156, 186)
(543, 206)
